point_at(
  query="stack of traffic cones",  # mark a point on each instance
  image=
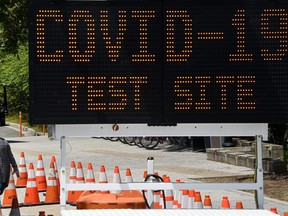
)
(225, 203)
(10, 192)
(31, 194)
(207, 202)
(22, 180)
(116, 179)
(40, 175)
(52, 194)
(72, 180)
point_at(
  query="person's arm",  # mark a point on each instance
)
(12, 161)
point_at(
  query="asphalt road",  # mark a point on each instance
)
(7, 132)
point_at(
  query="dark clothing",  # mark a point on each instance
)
(6, 158)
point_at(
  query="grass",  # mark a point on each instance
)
(14, 118)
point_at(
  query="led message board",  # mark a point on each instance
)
(158, 62)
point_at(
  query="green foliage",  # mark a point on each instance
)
(13, 25)
(14, 74)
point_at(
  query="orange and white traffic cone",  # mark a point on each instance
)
(40, 175)
(145, 173)
(31, 194)
(225, 203)
(176, 196)
(191, 196)
(53, 159)
(72, 180)
(239, 205)
(79, 180)
(207, 202)
(274, 210)
(52, 194)
(10, 192)
(103, 178)
(128, 176)
(184, 199)
(22, 180)
(90, 178)
(197, 201)
(156, 203)
(168, 195)
(116, 179)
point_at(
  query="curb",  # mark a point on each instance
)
(26, 131)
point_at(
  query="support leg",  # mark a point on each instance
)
(259, 179)
(63, 174)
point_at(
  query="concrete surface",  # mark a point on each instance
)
(175, 161)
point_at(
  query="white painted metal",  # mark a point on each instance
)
(162, 212)
(106, 130)
(259, 170)
(261, 130)
(163, 186)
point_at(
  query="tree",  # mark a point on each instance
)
(14, 75)
(13, 25)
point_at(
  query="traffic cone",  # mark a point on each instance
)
(72, 180)
(31, 194)
(40, 175)
(274, 210)
(52, 194)
(15, 207)
(79, 180)
(116, 179)
(197, 201)
(239, 205)
(176, 196)
(90, 174)
(103, 178)
(225, 203)
(207, 202)
(191, 196)
(9, 192)
(22, 180)
(145, 173)
(41, 213)
(128, 176)
(184, 199)
(168, 195)
(53, 159)
(156, 203)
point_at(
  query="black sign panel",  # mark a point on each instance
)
(158, 62)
